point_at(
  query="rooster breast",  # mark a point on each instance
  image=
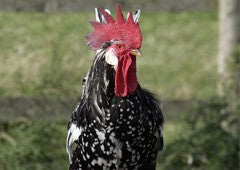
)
(130, 139)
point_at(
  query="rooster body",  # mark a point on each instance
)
(114, 127)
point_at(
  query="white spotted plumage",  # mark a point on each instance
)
(73, 134)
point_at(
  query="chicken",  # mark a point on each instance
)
(117, 124)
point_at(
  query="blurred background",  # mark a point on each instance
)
(190, 60)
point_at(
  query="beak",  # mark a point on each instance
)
(135, 52)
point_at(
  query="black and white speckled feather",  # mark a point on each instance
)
(111, 132)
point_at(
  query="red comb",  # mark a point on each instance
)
(119, 29)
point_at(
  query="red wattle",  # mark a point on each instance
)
(126, 78)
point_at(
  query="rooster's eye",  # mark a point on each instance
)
(119, 46)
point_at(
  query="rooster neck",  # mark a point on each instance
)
(99, 88)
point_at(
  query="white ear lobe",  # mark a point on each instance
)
(111, 58)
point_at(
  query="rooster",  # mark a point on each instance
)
(117, 124)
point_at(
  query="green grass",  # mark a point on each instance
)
(33, 145)
(46, 54)
(41, 145)
(204, 138)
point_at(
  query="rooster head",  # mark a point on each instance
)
(122, 40)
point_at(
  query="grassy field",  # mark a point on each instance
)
(41, 145)
(46, 54)
(206, 138)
